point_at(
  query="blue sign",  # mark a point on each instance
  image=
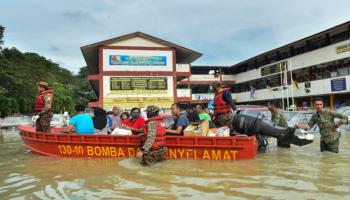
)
(137, 60)
(338, 84)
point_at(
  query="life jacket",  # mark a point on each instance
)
(160, 133)
(221, 106)
(40, 103)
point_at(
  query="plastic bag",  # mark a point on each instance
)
(219, 132)
(120, 131)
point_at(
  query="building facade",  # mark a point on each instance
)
(315, 66)
(137, 70)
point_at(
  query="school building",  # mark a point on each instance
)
(139, 69)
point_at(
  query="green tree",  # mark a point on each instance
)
(2, 29)
(19, 73)
(63, 98)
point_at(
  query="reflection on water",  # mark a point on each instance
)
(298, 173)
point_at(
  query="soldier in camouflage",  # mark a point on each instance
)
(43, 106)
(328, 129)
(278, 118)
(154, 147)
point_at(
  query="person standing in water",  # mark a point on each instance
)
(43, 107)
(328, 128)
(278, 119)
(154, 146)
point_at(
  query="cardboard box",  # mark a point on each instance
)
(197, 130)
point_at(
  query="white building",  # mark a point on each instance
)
(318, 65)
(137, 70)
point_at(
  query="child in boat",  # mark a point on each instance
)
(124, 117)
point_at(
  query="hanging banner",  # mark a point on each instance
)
(141, 102)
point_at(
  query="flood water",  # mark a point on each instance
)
(296, 173)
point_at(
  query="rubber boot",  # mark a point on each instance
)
(300, 142)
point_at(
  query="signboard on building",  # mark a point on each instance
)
(137, 91)
(137, 60)
(273, 69)
(338, 84)
(342, 48)
(139, 85)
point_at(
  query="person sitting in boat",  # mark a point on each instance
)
(100, 121)
(181, 121)
(43, 106)
(110, 118)
(124, 117)
(81, 123)
(135, 123)
(115, 118)
(191, 115)
(154, 146)
(200, 109)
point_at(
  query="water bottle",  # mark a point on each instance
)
(65, 119)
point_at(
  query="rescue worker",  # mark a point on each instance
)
(223, 106)
(154, 146)
(278, 118)
(43, 106)
(328, 129)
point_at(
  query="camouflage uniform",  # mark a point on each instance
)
(279, 119)
(152, 155)
(329, 136)
(224, 120)
(43, 122)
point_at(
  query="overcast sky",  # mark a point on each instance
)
(226, 32)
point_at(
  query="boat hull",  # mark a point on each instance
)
(179, 147)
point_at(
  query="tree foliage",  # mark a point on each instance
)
(2, 29)
(19, 74)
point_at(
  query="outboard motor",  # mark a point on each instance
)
(249, 125)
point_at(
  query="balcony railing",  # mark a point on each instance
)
(183, 68)
(317, 87)
(211, 77)
(183, 93)
(206, 96)
(204, 77)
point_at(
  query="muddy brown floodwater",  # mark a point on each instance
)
(296, 173)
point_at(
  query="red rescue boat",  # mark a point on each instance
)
(179, 147)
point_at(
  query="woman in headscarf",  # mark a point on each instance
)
(100, 121)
